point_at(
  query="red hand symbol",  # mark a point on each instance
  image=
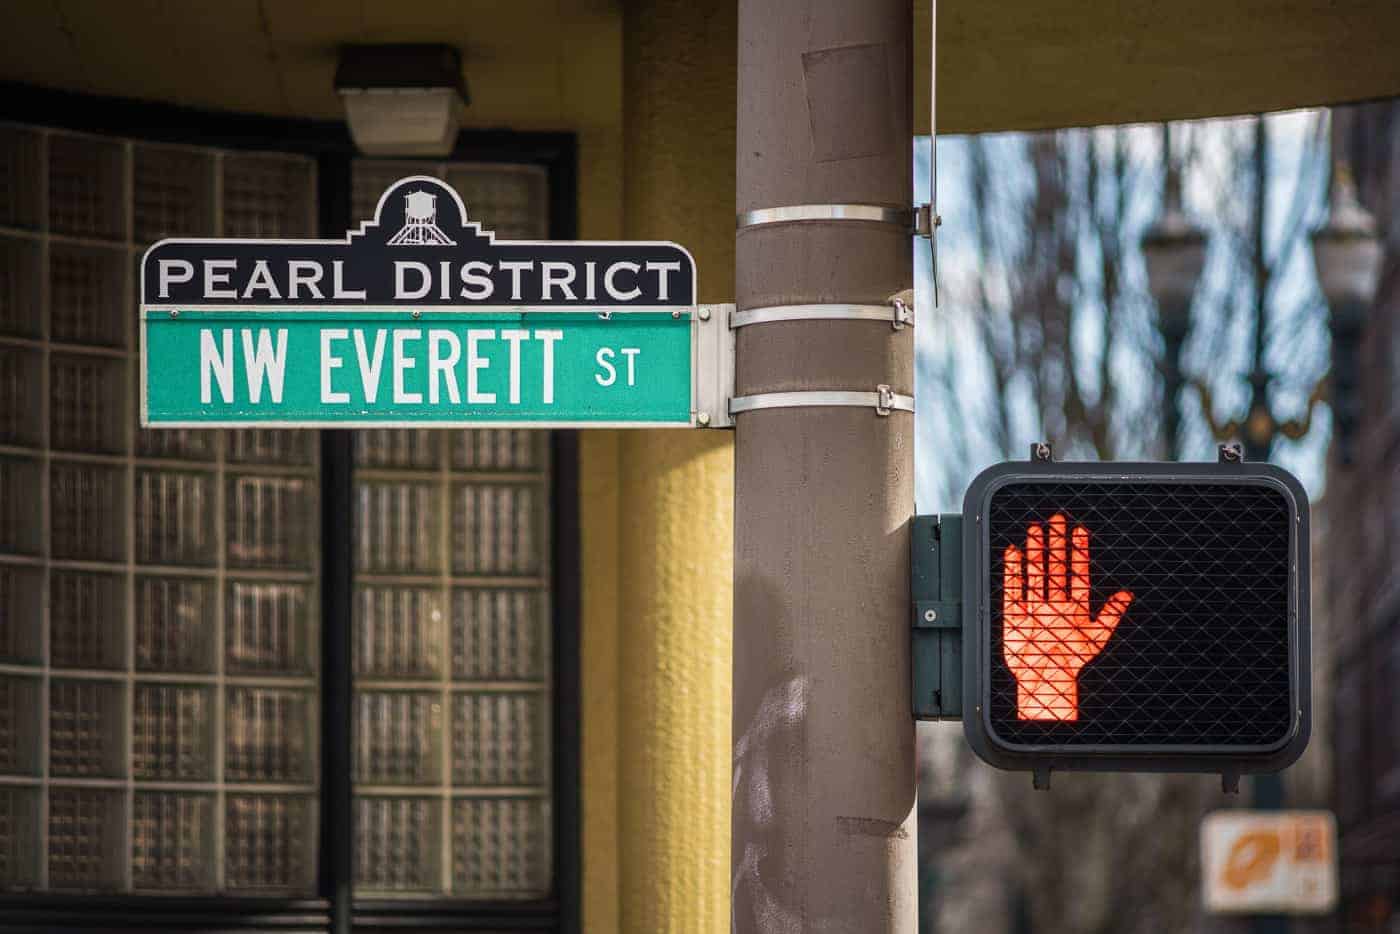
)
(1048, 633)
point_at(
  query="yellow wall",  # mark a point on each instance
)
(599, 489)
(658, 524)
(594, 74)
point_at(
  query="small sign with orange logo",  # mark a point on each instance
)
(1264, 862)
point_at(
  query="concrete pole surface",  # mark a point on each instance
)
(823, 810)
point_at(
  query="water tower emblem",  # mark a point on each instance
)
(420, 222)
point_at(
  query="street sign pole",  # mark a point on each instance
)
(824, 818)
(337, 831)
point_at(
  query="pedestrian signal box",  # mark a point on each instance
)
(1143, 617)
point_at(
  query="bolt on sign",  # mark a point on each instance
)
(1146, 617)
(419, 318)
(1275, 862)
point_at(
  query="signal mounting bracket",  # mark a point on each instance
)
(1232, 452)
(936, 635)
(713, 364)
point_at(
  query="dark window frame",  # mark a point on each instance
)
(333, 909)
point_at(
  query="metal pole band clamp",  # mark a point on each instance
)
(883, 400)
(799, 213)
(897, 314)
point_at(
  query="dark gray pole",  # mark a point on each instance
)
(1259, 423)
(1175, 321)
(337, 848)
(337, 587)
(823, 825)
(1259, 431)
(1171, 393)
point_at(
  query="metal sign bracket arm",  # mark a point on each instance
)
(714, 366)
(936, 634)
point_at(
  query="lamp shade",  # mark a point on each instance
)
(1175, 252)
(1348, 269)
(402, 121)
(1346, 249)
(402, 100)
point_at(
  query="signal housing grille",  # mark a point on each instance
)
(1201, 657)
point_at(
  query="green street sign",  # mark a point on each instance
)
(420, 318)
(412, 368)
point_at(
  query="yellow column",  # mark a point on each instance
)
(591, 86)
(599, 485)
(675, 500)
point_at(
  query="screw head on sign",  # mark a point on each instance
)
(417, 314)
(676, 314)
(704, 314)
(174, 314)
(930, 616)
(703, 418)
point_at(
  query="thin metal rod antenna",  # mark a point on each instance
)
(933, 116)
(1261, 260)
(933, 144)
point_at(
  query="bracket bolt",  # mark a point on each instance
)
(930, 616)
(1042, 451)
(704, 314)
(703, 419)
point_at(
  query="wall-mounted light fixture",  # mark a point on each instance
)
(402, 100)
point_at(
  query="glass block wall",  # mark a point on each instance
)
(158, 589)
(159, 620)
(452, 647)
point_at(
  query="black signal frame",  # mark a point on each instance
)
(1228, 760)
